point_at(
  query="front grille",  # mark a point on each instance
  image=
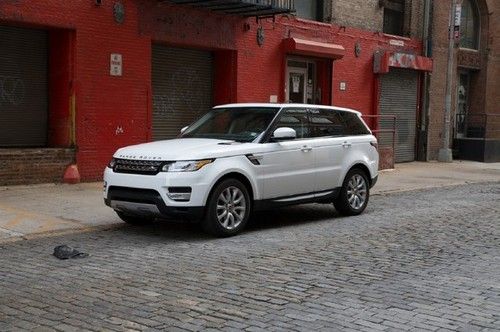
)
(135, 195)
(146, 167)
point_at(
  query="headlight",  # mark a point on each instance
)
(112, 163)
(186, 166)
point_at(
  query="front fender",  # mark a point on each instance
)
(240, 165)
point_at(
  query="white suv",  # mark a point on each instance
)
(241, 158)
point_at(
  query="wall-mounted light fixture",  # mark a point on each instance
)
(261, 36)
(357, 49)
(97, 2)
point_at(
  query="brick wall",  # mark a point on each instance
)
(112, 112)
(28, 166)
(484, 96)
(493, 57)
(369, 15)
(364, 14)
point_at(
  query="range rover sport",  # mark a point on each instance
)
(241, 158)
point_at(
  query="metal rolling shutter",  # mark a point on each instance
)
(23, 87)
(399, 97)
(182, 88)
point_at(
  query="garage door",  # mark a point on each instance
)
(23, 87)
(182, 88)
(399, 98)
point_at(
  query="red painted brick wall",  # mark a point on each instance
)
(115, 111)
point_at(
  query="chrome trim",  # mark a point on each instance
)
(297, 198)
(135, 208)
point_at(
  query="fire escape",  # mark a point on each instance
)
(247, 8)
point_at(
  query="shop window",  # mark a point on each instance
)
(469, 25)
(311, 10)
(394, 16)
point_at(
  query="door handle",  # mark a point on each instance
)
(306, 148)
(346, 145)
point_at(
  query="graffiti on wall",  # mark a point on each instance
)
(12, 90)
(175, 97)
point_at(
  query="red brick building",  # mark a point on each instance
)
(78, 79)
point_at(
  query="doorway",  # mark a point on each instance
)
(301, 83)
(462, 104)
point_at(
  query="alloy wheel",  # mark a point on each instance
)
(357, 191)
(231, 207)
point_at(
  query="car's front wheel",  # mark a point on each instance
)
(354, 194)
(228, 208)
(134, 219)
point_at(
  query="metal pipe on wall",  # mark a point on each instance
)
(445, 154)
(423, 150)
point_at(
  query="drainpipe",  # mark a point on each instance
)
(423, 154)
(445, 154)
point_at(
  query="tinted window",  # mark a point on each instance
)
(353, 124)
(242, 124)
(326, 123)
(295, 119)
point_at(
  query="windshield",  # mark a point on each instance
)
(241, 124)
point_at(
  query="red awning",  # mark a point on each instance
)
(384, 60)
(313, 48)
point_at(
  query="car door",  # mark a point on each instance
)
(287, 168)
(329, 145)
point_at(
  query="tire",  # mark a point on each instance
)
(228, 209)
(354, 194)
(134, 219)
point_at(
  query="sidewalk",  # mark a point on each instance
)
(39, 210)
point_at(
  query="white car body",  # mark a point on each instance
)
(289, 172)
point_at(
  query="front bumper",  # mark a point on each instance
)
(148, 194)
(148, 203)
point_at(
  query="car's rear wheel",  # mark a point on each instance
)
(228, 208)
(134, 219)
(354, 194)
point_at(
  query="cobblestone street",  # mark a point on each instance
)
(421, 260)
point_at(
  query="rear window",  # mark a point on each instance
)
(353, 124)
(326, 123)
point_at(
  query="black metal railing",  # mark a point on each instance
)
(243, 7)
(478, 126)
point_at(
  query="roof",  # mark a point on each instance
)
(286, 105)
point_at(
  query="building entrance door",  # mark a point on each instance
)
(301, 82)
(463, 104)
(297, 78)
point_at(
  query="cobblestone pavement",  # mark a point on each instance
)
(423, 260)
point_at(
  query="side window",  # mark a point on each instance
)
(326, 123)
(295, 118)
(353, 124)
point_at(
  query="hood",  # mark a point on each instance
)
(184, 149)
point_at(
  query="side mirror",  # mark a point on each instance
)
(284, 133)
(184, 129)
